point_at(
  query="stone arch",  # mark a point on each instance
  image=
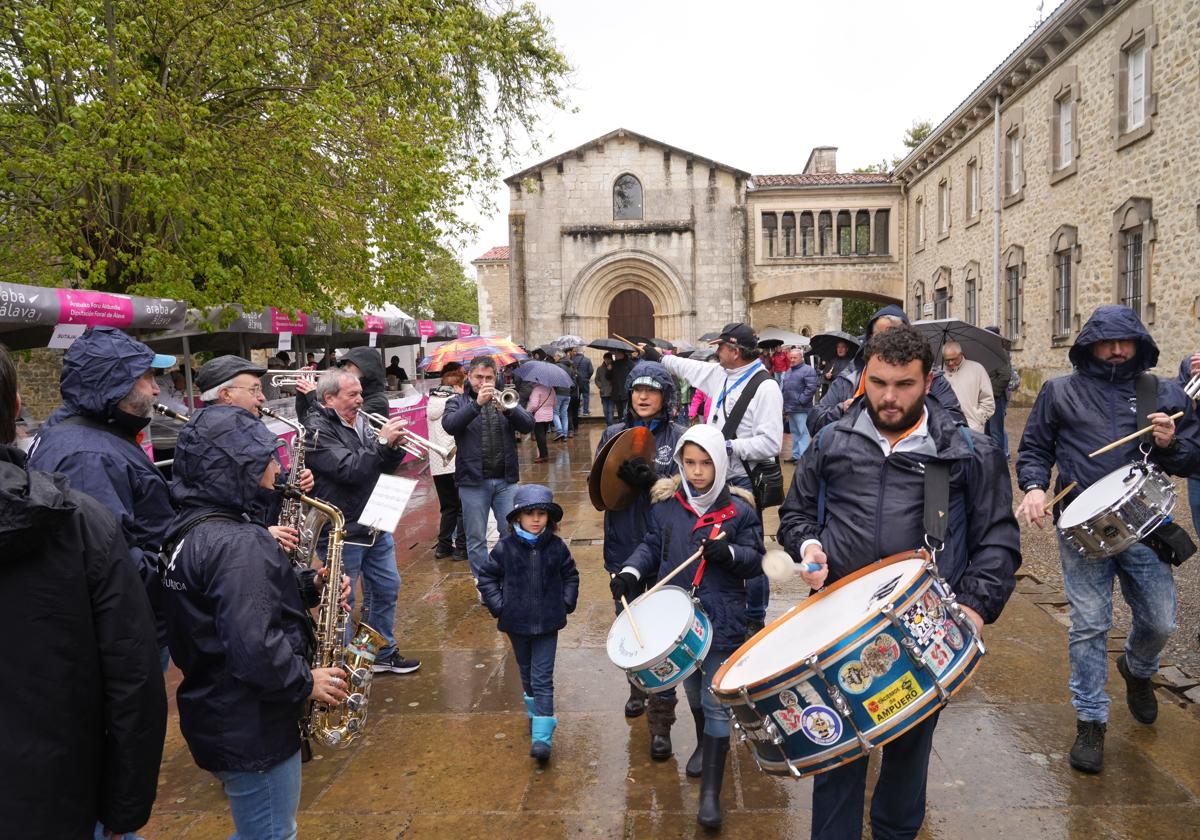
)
(597, 283)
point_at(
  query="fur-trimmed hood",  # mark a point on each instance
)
(666, 488)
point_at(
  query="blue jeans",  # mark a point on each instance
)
(264, 803)
(798, 420)
(585, 397)
(606, 404)
(995, 424)
(716, 719)
(494, 494)
(898, 803)
(535, 659)
(562, 414)
(1149, 588)
(381, 585)
(758, 589)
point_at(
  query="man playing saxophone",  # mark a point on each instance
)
(236, 622)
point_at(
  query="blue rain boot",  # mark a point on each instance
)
(529, 711)
(543, 734)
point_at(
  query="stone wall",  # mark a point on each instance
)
(1163, 166)
(37, 380)
(799, 314)
(492, 283)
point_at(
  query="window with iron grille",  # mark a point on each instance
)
(1062, 294)
(1131, 270)
(1012, 302)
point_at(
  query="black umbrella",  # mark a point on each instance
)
(978, 344)
(660, 343)
(825, 344)
(610, 344)
(709, 336)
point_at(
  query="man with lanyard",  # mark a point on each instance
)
(859, 495)
(347, 457)
(1108, 395)
(757, 435)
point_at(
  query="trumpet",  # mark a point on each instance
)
(508, 398)
(294, 377)
(159, 408)
(1192, 388)
(411, 442)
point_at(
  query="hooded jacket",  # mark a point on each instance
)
(484, 433)
(372, 378)
(235, 621)
(624, 529)
(862, 505)
(845, 384)
(530, 588)
(585, 369)
(1096, 404)
(94, 444)
(674, 532)
(799, 386)
(83, 689)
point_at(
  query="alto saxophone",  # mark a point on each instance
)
(307, 521)
(338, 725)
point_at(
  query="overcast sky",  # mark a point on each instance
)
(756, 84)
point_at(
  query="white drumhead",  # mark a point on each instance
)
(815, 624)
(661, 617)
(1099, 497)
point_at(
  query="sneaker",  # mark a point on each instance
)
(395, 663)
(1139, 694)
(459, 554)
(1088, 753)
(440, 553)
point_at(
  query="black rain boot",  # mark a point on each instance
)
(1139, 694)
(1088, 753)
(694, 766)
(713, 773)
(753, 625)
(636, 704)
(660, 715)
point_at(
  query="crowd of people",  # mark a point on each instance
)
(200, 570)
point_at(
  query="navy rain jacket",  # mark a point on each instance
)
(464, 419)
(874, 505)
(624, 529)
(531, 589)
(798, 386)
(94, 444)
(235, 621)
(845, 384)
(1096, 404)
(674, 533)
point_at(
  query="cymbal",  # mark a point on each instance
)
(606, 490)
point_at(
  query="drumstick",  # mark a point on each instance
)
(636, 633)
(1058, 498)
(681, 566)
(1128, 438)
(627, 341)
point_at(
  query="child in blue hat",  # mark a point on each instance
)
(529, 582)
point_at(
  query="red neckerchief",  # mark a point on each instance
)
(714, 518)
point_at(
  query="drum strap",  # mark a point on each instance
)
(937, 501)
(712, 535)
(1146, 389)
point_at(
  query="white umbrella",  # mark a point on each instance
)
(786, 337)
(568, 341)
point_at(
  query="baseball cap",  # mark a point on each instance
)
(647, 381)
(739, 334)
(223, 368)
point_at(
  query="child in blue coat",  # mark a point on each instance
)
(529, 582)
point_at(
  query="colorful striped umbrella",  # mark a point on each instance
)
(465, 349)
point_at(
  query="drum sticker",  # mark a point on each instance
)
(954, 636)
(884, 591)
(918, 623)
(933, 605)
(937, 656)
(665, 670)
(880, 654)
(808, 693)
(821, 725)
(893, 699)
(698, 629)
(788, 698)
(789, 718)
(853, 677)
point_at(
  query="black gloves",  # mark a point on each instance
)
(650, 353)
(637, 473)
(718, 553)
(623, 585)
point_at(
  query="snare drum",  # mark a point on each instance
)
(677, 635)
(850, 668)
(1117, 511)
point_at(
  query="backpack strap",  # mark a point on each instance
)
(1146, 388)
(734, 419)
(937, 501)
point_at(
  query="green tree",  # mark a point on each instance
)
(444, 292)
(300, 153)
(855, 314)
(914, 136)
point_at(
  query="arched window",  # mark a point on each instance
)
(941, 293)
(627, 198)
(918, 300)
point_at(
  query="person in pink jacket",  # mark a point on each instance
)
(701, 402)
(541, 405)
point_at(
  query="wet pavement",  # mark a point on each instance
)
(446, 753)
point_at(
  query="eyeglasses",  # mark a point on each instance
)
(253, 389)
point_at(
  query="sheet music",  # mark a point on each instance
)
(387, 502)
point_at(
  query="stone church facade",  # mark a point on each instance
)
(1088, 130)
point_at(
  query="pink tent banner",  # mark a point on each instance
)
(280, 322)
(426, 329)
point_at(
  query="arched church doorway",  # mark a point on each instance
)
(631, 314)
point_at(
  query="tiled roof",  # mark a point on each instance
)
(500, 252)
(837, 179)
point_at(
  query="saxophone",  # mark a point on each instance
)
(338, 726)
(308, 521)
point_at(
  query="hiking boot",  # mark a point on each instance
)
(1088, 753)
(1139, 694)
(395, 663)
(440, 553)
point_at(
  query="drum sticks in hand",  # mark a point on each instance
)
(682, 566)
(1128, 438)
(637, 634)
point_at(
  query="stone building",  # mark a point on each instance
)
(1069, 178)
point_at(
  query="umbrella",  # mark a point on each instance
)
(774, 335)
(682, 347)
(549, 349)
(544, 373)
(465, 349)
(978, 344)
(609, 344)
(704, 354)
(825, 344)
(568, 341)
(709, 336)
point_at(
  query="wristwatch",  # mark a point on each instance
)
(1033, 486)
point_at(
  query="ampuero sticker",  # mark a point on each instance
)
(893, 699)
